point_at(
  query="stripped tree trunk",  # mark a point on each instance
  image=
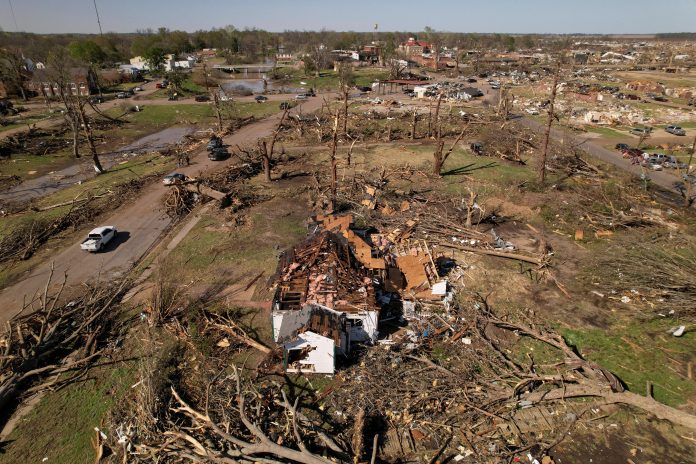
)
(334, 164)
(549, 122)
(90, 138)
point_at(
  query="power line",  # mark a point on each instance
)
(14, 18)
(98, 21)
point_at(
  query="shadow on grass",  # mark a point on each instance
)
(468, 169)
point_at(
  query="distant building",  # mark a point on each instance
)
(413, 47)
(84, 82)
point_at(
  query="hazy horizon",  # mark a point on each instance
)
(593, 17)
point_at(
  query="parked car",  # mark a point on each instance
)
(301, 97)
(660, 98)
(471, 80)
(657, 158)
(260, 98)
(122, 95)
(202, 98)
(138, 89)
(218, 154)
(159, 85)
(214, 143)
(675, 130)
(622, 146)
(98, 238)
(95, 100)
(639, 131)
(673, 163)
(173, 178)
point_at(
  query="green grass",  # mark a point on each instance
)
(605, 132)
(639, 352)
(24, 121)
(167, 115)
(61, 425)
(210, 252)
(22, 165)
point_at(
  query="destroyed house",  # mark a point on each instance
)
(323, 293)
(323, 270)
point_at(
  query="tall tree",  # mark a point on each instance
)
(346, 80)
(13, 71)
(547, 133)
(154, 57)
(59, 71)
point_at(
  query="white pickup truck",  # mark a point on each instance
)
(98, 238)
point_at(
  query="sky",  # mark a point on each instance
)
(504, 16)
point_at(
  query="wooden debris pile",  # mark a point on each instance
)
(225, 186)
(52, 342)
(324, 271)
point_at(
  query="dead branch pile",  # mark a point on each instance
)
(668, 284)
(604, 207)
(447, 222)
(51, 343)
(231, 420)
(24, 240)
(7, 182)
(182, 198)
(449, 384)
(36, 142)
(447, 387)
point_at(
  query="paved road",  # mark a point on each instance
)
(141, 224)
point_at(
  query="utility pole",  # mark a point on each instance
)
(14, 18)
(98, 20)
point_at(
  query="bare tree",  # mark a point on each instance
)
(334, 164)
(267, 151)
(688, 198)
(74, 103)
(13, 70)
(345, 82)
(414, 123)
(549, 122)
(439, 157)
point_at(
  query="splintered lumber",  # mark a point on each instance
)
(501, 254)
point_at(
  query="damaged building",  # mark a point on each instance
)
(332, 288)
